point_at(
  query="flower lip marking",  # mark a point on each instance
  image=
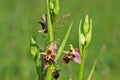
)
(68, 57)
(49, 58)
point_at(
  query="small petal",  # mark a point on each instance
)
(54, 46)
(44, 18)
(77, 57)
(43, 24)
(43, 30)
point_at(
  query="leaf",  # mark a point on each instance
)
(92, 70)
(79, 36)
(49, 71)
(64, 42)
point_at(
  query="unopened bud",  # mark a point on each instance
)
(33, 47)
(82, 38)
(89, 34)
(51, 5)
(86, 25)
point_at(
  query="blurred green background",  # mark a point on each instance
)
(19, 20)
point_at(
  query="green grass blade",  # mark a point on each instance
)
(64, 41)
(92, 70)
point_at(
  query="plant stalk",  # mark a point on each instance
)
(81, 74)
(49, 24)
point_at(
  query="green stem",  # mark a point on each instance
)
(49, 73)
(82, 62)
(49, 25)
(51, 37)
(81, 67)
(56, 10)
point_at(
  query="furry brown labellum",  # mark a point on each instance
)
(49, 58)
(68, 57)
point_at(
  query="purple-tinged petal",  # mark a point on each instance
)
(45, 67)
(77, 57)
(54, 46)
(44, 18)
(55, 60)
(43, 30)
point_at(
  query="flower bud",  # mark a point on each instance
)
(33, 47)
(82, 39)
(51, 5)
(89, 34)
(86, 25)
